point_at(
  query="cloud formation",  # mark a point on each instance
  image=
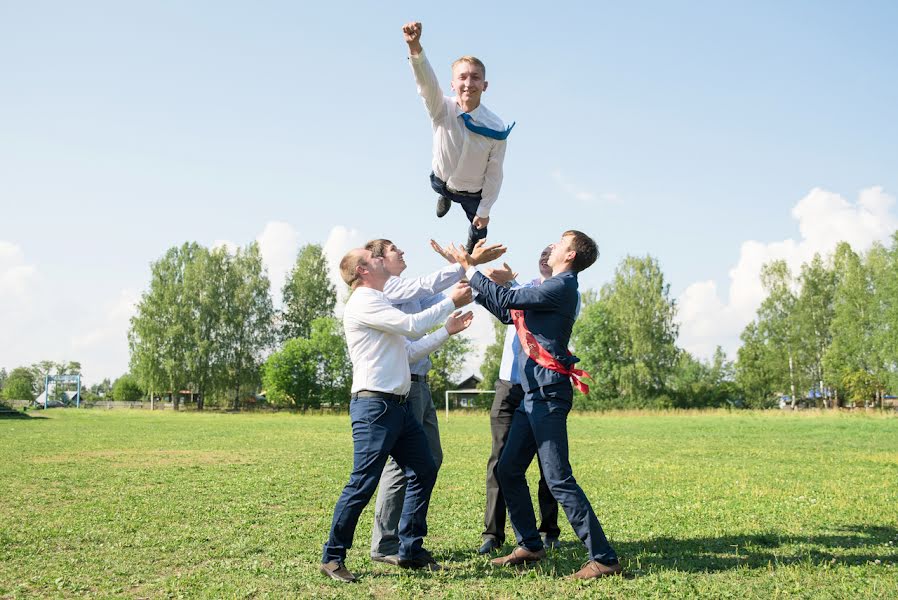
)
(824, 219)
(583, 195)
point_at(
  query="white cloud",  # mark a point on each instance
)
(16, 277)
(278, 244)
(824, 219)
(578, 193)
(340, 240)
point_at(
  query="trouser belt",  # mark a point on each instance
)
(421, 378)
(370, 394)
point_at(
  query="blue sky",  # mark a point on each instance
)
(712, 136)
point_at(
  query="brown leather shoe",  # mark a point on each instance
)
(336, 570)
(519, 556)
(594, 570)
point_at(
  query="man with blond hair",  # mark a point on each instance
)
(468, 139)
(382, 425)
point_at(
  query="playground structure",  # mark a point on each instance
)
(64, 379)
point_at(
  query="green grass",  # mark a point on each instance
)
(139, 504)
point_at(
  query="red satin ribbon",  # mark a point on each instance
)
(542, 357)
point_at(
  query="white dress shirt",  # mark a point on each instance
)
(466, 161)
(376, 333)
(414, 295)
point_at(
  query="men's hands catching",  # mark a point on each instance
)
(459, 321)
(501, 276)
(484, 254)
(412, 33)
(461, 256)
(439, 250)
(461, 294)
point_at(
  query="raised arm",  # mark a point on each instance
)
(401, 289)
(548, 296)
(385, 317)
(428, 84)
(429, 343)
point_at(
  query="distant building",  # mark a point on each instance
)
(69, 399)
(466, 392)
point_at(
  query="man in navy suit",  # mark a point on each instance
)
(544, 318)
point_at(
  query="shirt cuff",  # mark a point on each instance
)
(469, 273)
(447, 305)
(417, 57)
(483, 212)
(441, 334)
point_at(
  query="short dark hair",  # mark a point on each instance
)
(378, 247)
(585, 248)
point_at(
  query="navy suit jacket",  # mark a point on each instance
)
(549, 313)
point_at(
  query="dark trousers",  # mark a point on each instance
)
(505, 403)
(539, 427)
(469, 201)
(382, 428)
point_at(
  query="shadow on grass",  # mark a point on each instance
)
(851, 545)
(17, 414)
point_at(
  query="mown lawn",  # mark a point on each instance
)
(139, 504)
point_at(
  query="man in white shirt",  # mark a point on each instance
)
(412, 295)
(468, 139)
(382, 425)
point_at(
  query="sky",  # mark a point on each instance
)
(713, 136)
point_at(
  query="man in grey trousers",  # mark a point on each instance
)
(411, 296)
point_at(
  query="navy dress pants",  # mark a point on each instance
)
(469, 201)
(383, 428)
(539, 427)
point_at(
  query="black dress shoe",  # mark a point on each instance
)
(551, 542)
(423, 561)
(443, 206)
(489, 544)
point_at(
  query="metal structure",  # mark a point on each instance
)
(464, 392)
(57, 379)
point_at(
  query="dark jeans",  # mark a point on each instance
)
(469, 202)
(508, 398)
(382, 428)
(539, 427)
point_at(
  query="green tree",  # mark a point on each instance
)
(248, 322)
(448, 362)
(756, 374)
(626, 339)
(882, 265)
(703, 384)
(309, 371)
(778, 324)
(814, 311)
(308, 293)
(492, 356)
(126, 389)
(3, 376)
(20, 385)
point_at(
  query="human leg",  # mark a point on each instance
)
(376, 425)
(506, 401)
(520, 448)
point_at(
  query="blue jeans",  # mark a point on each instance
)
(469, 201)
(539, 427)
(382, 428)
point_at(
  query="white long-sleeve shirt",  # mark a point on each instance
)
(466, 161)
(376, 335)
(413, 295)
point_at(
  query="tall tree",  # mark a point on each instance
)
(20, 385)
(308, 293)
(492, 356)
(814, 310)
(126, 389)
(598, 341)
(248, 321)
(757, 368)
(448, 362)
(778, 323)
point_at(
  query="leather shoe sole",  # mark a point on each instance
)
(443, 206)
(594, 570)
(387, 559)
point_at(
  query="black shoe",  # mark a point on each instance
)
(423, 561)
(443, 206)
(551, 542)
(489, 544)
(469, 247)
(387, 559)
(336, 570)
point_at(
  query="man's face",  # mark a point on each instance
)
(544, 269)
(468, 82)
(394, 261)
(560, 252)
(374, 267)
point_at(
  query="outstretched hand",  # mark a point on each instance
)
(484, 254)
(460, 255)
(459, 321)
(501, 276)
(461, 294)
(439, 250)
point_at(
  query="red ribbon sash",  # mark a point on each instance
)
(542, 357)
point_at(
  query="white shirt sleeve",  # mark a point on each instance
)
(399, 290)
(427, 344)
(492, 181)
(385, 317)
(429, 87)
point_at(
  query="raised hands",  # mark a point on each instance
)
(412, 33)
(459, 321)
(461, 294)
(500, 276)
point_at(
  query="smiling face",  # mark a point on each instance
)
(544, 269)
(469, 82)
(561, 255)
(394, 260)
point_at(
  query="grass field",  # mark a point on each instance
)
(138, 504)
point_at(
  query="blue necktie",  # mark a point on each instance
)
(485, 131)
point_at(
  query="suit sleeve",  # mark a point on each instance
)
(548, 296)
